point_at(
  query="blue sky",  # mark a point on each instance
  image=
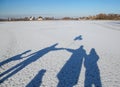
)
(57, 8)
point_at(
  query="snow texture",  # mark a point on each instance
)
(60, 54)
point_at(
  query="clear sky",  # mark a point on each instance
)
(57, 8)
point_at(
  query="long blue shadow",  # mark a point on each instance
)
(69, 74)
(92, 73)
(37, 80)
(17, 57)
(34, 57)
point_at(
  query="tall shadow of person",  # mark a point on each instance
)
(34, 57)
(37, 80)
(92, 73)
(17, 57)
(69, 74)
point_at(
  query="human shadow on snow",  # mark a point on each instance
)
(92, 73)
(14, 58)
(70, 72)
(68, 76)
(37, 80)
(34, 57)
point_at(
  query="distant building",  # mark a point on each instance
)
(40, 18)
(31, 18)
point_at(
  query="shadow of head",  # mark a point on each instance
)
(43, 71)
(81, 47)
(92, 52)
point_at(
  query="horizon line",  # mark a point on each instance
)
(48, 15)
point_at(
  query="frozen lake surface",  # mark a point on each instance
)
(60, 54)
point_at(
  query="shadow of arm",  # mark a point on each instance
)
(69, 50)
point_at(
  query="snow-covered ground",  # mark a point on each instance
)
(51, 54)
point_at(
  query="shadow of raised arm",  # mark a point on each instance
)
(31, 58)
(14, 58)
(55, 48)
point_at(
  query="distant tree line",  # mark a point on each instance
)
(19, 19)
(69, 18)
(100, 16)
(105, 17)
(15, 19)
